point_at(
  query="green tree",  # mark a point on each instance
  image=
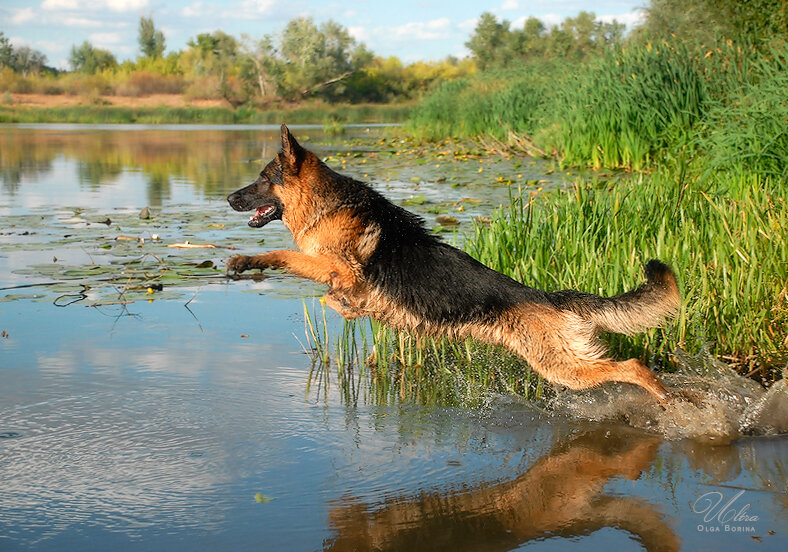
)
(315, 60)
(6, 52)
(151, 41)
(215, 57)
(582, 29)
(258, 65)
(707, 21)
(488, 40)
(532, 38)
(28, 60)
(88, 59)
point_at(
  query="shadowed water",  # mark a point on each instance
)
(184, 418)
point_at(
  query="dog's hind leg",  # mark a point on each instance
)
(564, 349)
(589, 374)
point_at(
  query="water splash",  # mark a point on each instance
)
(710, 403)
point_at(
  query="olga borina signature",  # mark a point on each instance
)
(722, 514)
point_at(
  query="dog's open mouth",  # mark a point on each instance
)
(262, 215)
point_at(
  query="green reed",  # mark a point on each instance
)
(725, 238)
(747, 130)
(494, 103)
(376, 364)
(621, 110)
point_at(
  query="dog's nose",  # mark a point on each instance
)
(232, 199)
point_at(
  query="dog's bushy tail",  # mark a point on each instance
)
(632, 312)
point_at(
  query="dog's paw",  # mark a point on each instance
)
(338, 283)
(342, 304)
(238, 264)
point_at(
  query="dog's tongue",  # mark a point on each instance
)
(262, 211)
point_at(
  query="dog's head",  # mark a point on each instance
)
(265, 195)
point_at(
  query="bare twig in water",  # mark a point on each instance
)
(192, 312)
(110, 303)
(187, 245)
(22, 286)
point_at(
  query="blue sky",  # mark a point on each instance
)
(410, 29)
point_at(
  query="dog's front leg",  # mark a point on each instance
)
(319, 268)
(242, 263)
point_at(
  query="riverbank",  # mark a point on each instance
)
(179, 109)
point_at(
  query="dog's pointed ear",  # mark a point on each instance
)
(293, 152)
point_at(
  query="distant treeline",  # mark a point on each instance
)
(306, 61)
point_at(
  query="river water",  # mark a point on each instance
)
(182, 417)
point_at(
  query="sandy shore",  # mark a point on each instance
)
(153, 100)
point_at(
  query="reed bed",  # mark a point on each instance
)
(632, 108)
(376, 364)
(746, 131)
(627, 107)
(495, 103)
(726, 239)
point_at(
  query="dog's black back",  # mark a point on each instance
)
(427, 276)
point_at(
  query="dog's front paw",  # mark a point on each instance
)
(238, 264)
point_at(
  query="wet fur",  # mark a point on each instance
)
(379, 260)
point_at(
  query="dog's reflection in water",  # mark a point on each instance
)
(562, 494)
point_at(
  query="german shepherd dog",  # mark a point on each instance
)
(380, 261)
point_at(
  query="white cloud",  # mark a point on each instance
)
(126, 5)
(17, 42)
(510, 5)
(631, 19)
(60, 5)
(361, 34)
(22, 16)
(47, 44)
(257, 6)
(430, 30)
(248, 9)
(468, 24)
(105, 40)
(81, 22)
(196, 9)
(114, 5)
(551, 19)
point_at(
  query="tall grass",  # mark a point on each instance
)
(726, 239)
(747, 130)
(626, 107)
(631, 108)
(494, 103)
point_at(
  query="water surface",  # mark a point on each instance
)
(186, 417)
